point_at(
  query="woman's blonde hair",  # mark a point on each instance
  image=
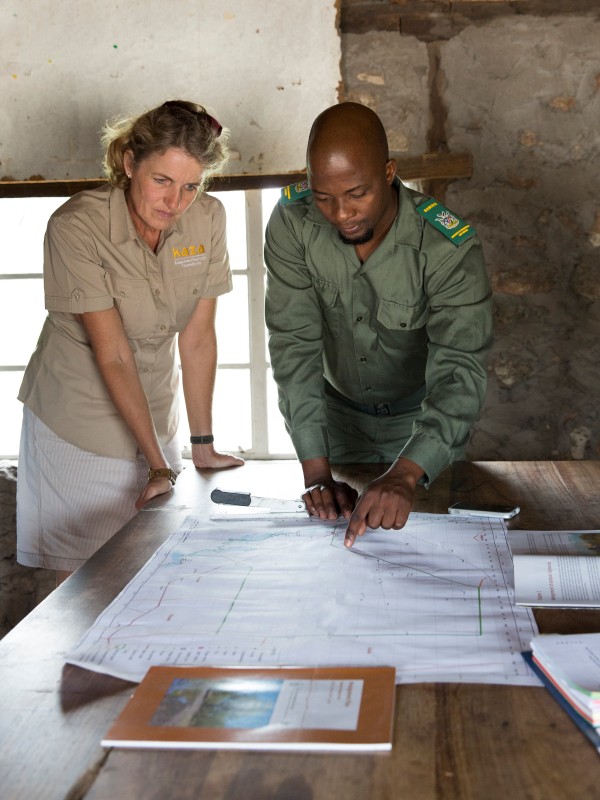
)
(176, 123)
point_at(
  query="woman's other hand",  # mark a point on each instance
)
(204, 456)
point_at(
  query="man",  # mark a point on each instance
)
(379, 313)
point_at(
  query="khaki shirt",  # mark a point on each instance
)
(418, 311)
(94, 259)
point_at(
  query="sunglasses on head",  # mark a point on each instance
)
(215, 125)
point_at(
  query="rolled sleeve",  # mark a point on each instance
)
(74, 278)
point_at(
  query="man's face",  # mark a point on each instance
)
(354, 194)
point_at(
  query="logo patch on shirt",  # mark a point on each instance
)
(453, 227)
(294, 192)
(191, 256)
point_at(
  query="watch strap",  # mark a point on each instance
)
(208, 439)
(163, 472)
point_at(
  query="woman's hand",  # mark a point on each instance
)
(204, 456)
(152, 489)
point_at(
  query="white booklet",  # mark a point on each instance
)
(572, 663)
(556, 568)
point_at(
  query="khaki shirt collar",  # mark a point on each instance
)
(407, 228)
(122, 229)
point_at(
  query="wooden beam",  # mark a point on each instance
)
(66, 188)
(449, 166)
(432, 20)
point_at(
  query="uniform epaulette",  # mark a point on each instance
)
(294, 192)
(453, 227)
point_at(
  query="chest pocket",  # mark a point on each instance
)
(328, 294)
(134, 303)
(401, 326)
(188, 290)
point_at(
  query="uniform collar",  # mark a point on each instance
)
(122, 229)
(408, 223)
(407, 228)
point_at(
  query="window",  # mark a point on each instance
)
(245, 414)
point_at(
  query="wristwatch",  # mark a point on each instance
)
(164, 472)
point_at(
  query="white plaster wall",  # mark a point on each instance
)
(265, 68)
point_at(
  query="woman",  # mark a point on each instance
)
(126, 267)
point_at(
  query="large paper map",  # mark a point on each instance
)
(435, 600)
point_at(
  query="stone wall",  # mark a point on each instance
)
(21, 588)
(521, 94)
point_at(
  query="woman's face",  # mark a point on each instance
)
(161, 188)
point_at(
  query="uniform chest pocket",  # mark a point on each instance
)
(402, 326)
(190, 287)
(328, 296)
(134, 303)
(188, 290)
(127, 290)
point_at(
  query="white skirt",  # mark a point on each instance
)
(71, 501)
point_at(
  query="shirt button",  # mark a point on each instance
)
(157, 291)
(359, 319)
(403, 324)
(367, 388)
(195, 291)
(163, 327)
(363, 359)
(76, 295)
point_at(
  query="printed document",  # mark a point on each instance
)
(435, 600)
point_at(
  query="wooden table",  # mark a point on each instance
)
(451, 740)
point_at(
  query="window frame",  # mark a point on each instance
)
(258, 364)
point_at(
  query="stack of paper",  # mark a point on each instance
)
(569, 667)
(572, 664)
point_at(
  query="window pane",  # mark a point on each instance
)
(232, 411)
(22, 313)
(269, 199)
(11, 414)
(22, 228)
(235, 209)
(232, 324)
(279, 439)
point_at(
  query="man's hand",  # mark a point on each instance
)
(328, 499)
(324, 497)
(387, 501)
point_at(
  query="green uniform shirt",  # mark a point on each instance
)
(418, 311)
